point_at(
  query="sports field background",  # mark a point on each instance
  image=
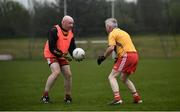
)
(157, 78)
(22, 83)
(148, 46)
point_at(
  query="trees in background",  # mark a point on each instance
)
(44, 17)
(174, 15)
(14, 19)
(89, 15)
(145, 16)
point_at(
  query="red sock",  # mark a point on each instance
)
(117, 95)
(45, 93)
(135, 94)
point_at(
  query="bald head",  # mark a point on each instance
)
(67, 22)
(67, 18)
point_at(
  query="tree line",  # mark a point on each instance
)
(142, 17)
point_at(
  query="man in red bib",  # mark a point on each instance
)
(60, 42)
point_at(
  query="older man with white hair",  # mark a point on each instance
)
(60, 42)
(125, 63)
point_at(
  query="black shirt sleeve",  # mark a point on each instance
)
(52, 38)
(72, 47)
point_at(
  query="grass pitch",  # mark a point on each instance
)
(22, 84)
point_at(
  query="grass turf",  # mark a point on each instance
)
(22, 84)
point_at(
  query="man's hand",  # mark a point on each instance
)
(100, 59)
(78, 60)
(68, 58)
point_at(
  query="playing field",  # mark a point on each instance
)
(22, 84)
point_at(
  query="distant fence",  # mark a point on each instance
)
(147, 46)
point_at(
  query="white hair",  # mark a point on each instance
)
(111, 22)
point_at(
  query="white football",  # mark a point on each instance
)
(79, 53)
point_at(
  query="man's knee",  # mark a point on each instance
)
(112, 76)
(55, 69)
(56, 72)
(123, 78)
(68, 75)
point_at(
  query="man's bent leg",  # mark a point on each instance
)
(67, 82)
(131, 87)
(128, 82)
(55, 69)
(115, 87)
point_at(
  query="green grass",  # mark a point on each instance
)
(22, 84)
(149, 46)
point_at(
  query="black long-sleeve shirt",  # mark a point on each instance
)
(52, 38)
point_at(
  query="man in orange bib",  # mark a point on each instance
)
(126, 60)
(60, 42)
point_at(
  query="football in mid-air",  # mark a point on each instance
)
(79, 53)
